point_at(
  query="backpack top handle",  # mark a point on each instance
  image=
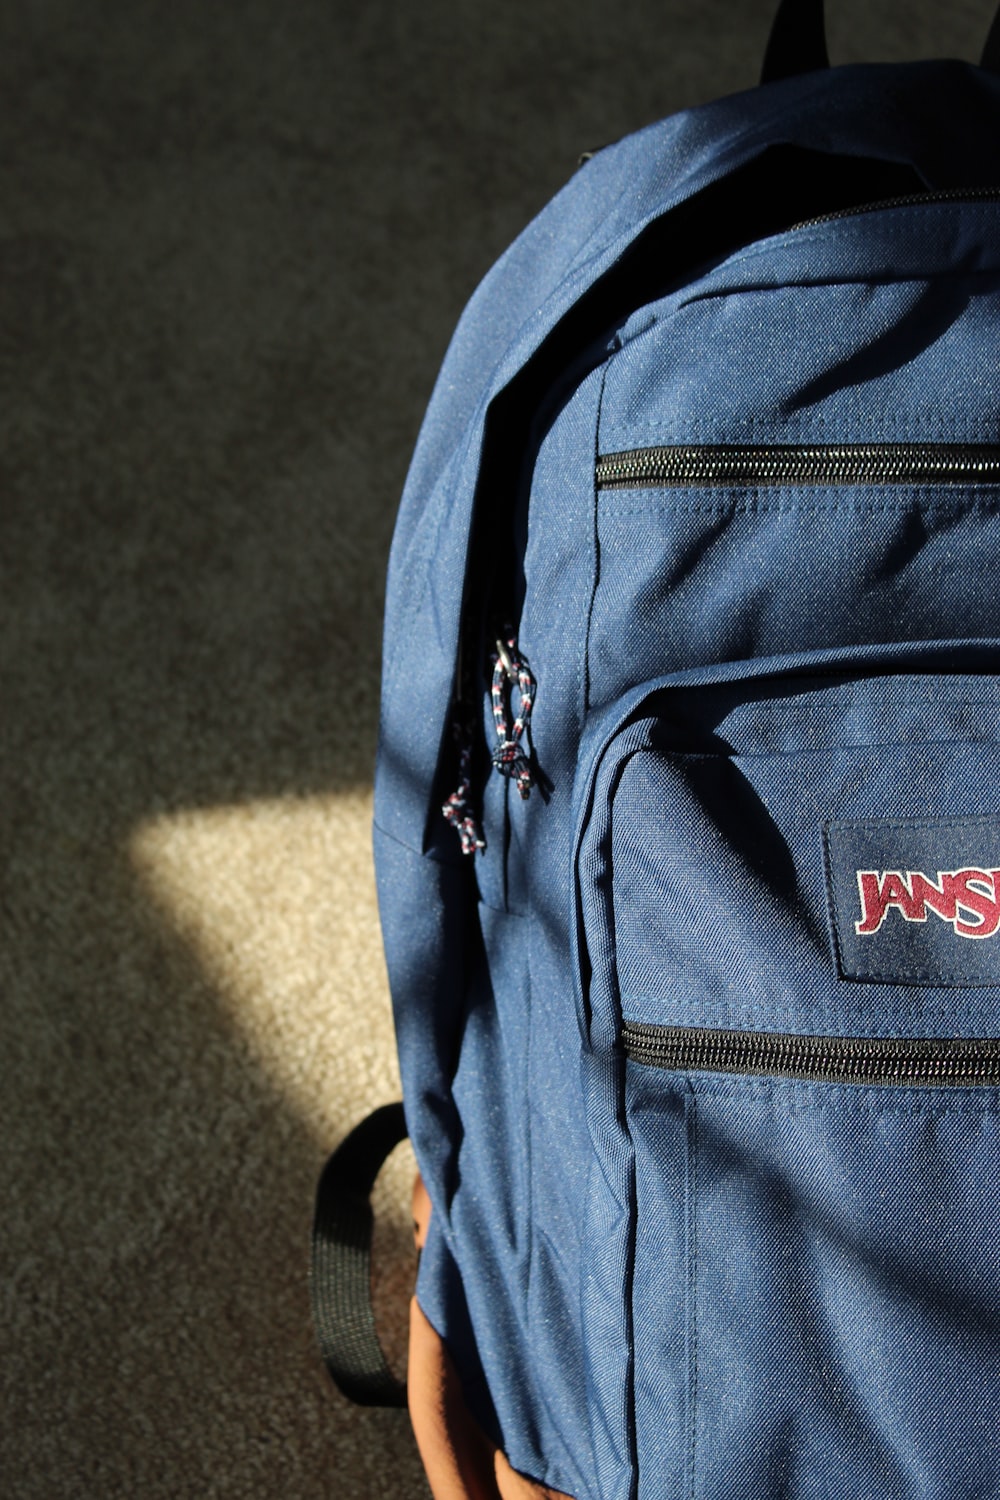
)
(797, 43)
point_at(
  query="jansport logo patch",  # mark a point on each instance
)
(969, 899)
(915, 900)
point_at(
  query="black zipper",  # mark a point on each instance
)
(736, 465)
(910, 200)
(826, 1059)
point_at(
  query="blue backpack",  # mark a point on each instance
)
(688, 815)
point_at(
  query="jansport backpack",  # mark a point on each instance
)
(688, 819)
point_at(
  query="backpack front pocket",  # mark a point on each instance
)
(811, 851)
(815, 1288)
(789, 943)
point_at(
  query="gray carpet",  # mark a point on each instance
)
(234, 239)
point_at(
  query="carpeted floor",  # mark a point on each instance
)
(234, 239)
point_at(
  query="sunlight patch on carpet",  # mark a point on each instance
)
(277, 901)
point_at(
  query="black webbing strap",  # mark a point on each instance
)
(340, 1283)
(990, 59)
(797, 43)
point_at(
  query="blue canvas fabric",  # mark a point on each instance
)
(764, 708)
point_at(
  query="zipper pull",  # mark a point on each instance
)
(456, 810)
(510, 670)
(509, 757)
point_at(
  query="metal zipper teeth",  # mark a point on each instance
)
(910, 200)
(827, 1059)
(735, 466)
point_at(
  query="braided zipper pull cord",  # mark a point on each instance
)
(508, 754)
(456, 810)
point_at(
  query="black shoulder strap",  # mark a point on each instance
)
(797, 43)
(340, 1283)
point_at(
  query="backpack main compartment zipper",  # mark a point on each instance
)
(826, 1059)
(733, 466)
(905, 200)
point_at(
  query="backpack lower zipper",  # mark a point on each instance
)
(823, 1059)
(736, 466)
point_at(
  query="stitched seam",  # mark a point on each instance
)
(797, 1097)
(875, 824)
(982, 428)
(974, 978)
(692, 1101)
(769, 1018)
(754, 506)
(595, 542)
(831, 888)
(841, 277)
